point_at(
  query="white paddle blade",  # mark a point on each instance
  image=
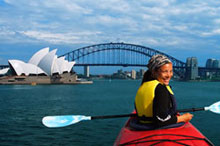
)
(62, 121)
(214, 107)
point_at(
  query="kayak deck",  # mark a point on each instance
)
(185, 135)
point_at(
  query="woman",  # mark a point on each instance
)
(155, 102)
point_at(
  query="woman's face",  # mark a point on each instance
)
(165, 73)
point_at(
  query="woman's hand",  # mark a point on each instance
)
(184, 118)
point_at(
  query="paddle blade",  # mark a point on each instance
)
(62, 121)
(214, 107)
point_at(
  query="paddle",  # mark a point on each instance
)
(65, 120)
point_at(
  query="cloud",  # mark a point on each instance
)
(170, 23)
(47, 5)
(211, 33)
(217, 21)
(58, 38)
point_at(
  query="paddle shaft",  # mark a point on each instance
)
(113, 116)
(133, 115)
(191, 110)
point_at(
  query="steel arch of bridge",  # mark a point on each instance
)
(119, 54)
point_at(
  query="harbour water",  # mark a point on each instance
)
(22, 108)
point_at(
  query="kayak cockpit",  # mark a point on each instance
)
(134, 124)
(182, 135)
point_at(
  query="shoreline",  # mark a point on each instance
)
(63, 79)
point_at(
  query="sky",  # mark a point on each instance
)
(180, 28)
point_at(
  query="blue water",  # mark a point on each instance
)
(22, 107)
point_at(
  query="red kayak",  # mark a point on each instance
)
(185, 135)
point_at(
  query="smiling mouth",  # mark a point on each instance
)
(167, 79)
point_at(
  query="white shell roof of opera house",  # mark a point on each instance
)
(42, 62)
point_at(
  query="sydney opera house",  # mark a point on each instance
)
(44, 67)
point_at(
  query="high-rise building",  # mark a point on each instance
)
(133, 74)
(209, 63)
(212, 63)
(216, 64)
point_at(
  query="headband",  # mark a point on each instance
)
(157, 61)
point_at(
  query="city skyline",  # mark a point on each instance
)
(179, 28)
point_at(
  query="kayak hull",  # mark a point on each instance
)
(186, 134)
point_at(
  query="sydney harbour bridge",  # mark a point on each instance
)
(119, 54)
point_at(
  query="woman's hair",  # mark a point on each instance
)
(153, 65)
(147, 77)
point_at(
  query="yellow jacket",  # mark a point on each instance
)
(145, 96)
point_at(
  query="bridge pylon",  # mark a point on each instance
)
(86, 71)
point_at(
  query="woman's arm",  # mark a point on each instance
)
(161, 107)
